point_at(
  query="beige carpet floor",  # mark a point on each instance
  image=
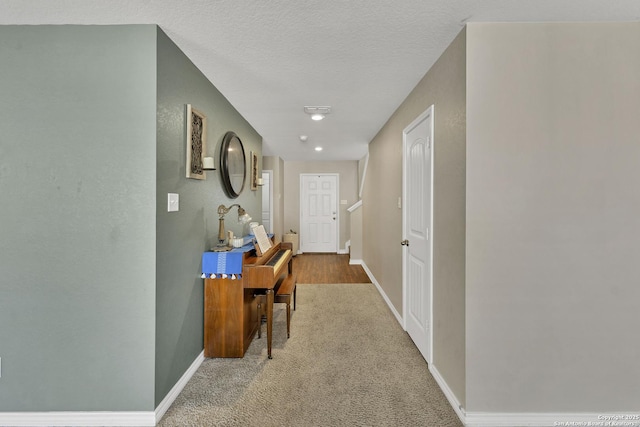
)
(348, 363)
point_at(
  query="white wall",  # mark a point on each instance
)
(355, 235)
(553, 224)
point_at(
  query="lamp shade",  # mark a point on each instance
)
(207, 163)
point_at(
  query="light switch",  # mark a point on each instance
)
(173, 202)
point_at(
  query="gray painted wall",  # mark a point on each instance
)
(101, 301)
(77, 218)
(553, 159)
(444, 86)
(183, 236)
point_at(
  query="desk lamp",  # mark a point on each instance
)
(243, 217)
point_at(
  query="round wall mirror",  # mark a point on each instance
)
(233, 165)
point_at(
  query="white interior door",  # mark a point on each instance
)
(319, 213)
(417, 226)
(267, 201)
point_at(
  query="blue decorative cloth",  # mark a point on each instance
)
(229, 262)
(222, 262)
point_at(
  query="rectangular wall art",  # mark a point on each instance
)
(196, 143)
(254, 170)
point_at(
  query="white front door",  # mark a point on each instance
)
(267, 201)
(318, 213)
(417, 225)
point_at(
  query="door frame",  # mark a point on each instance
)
(271, 210)
(405, 212)
(337, 200)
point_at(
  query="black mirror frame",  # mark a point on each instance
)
(224, 165)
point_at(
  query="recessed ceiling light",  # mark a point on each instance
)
(317, 117)
(304, 138)
(318, 148)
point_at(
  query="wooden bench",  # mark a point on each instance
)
(284, 292)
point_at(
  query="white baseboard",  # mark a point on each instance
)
(101, 418)
(531, 419)
(451, 397)
(80, 419)
(384, 295)
(516, 419)
(177, 388)
(355, 262)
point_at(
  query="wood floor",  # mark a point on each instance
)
(327, 268)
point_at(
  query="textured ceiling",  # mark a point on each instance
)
(270, 58)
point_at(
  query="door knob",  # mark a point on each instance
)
(405, 242)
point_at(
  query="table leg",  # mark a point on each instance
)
(269, 320)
